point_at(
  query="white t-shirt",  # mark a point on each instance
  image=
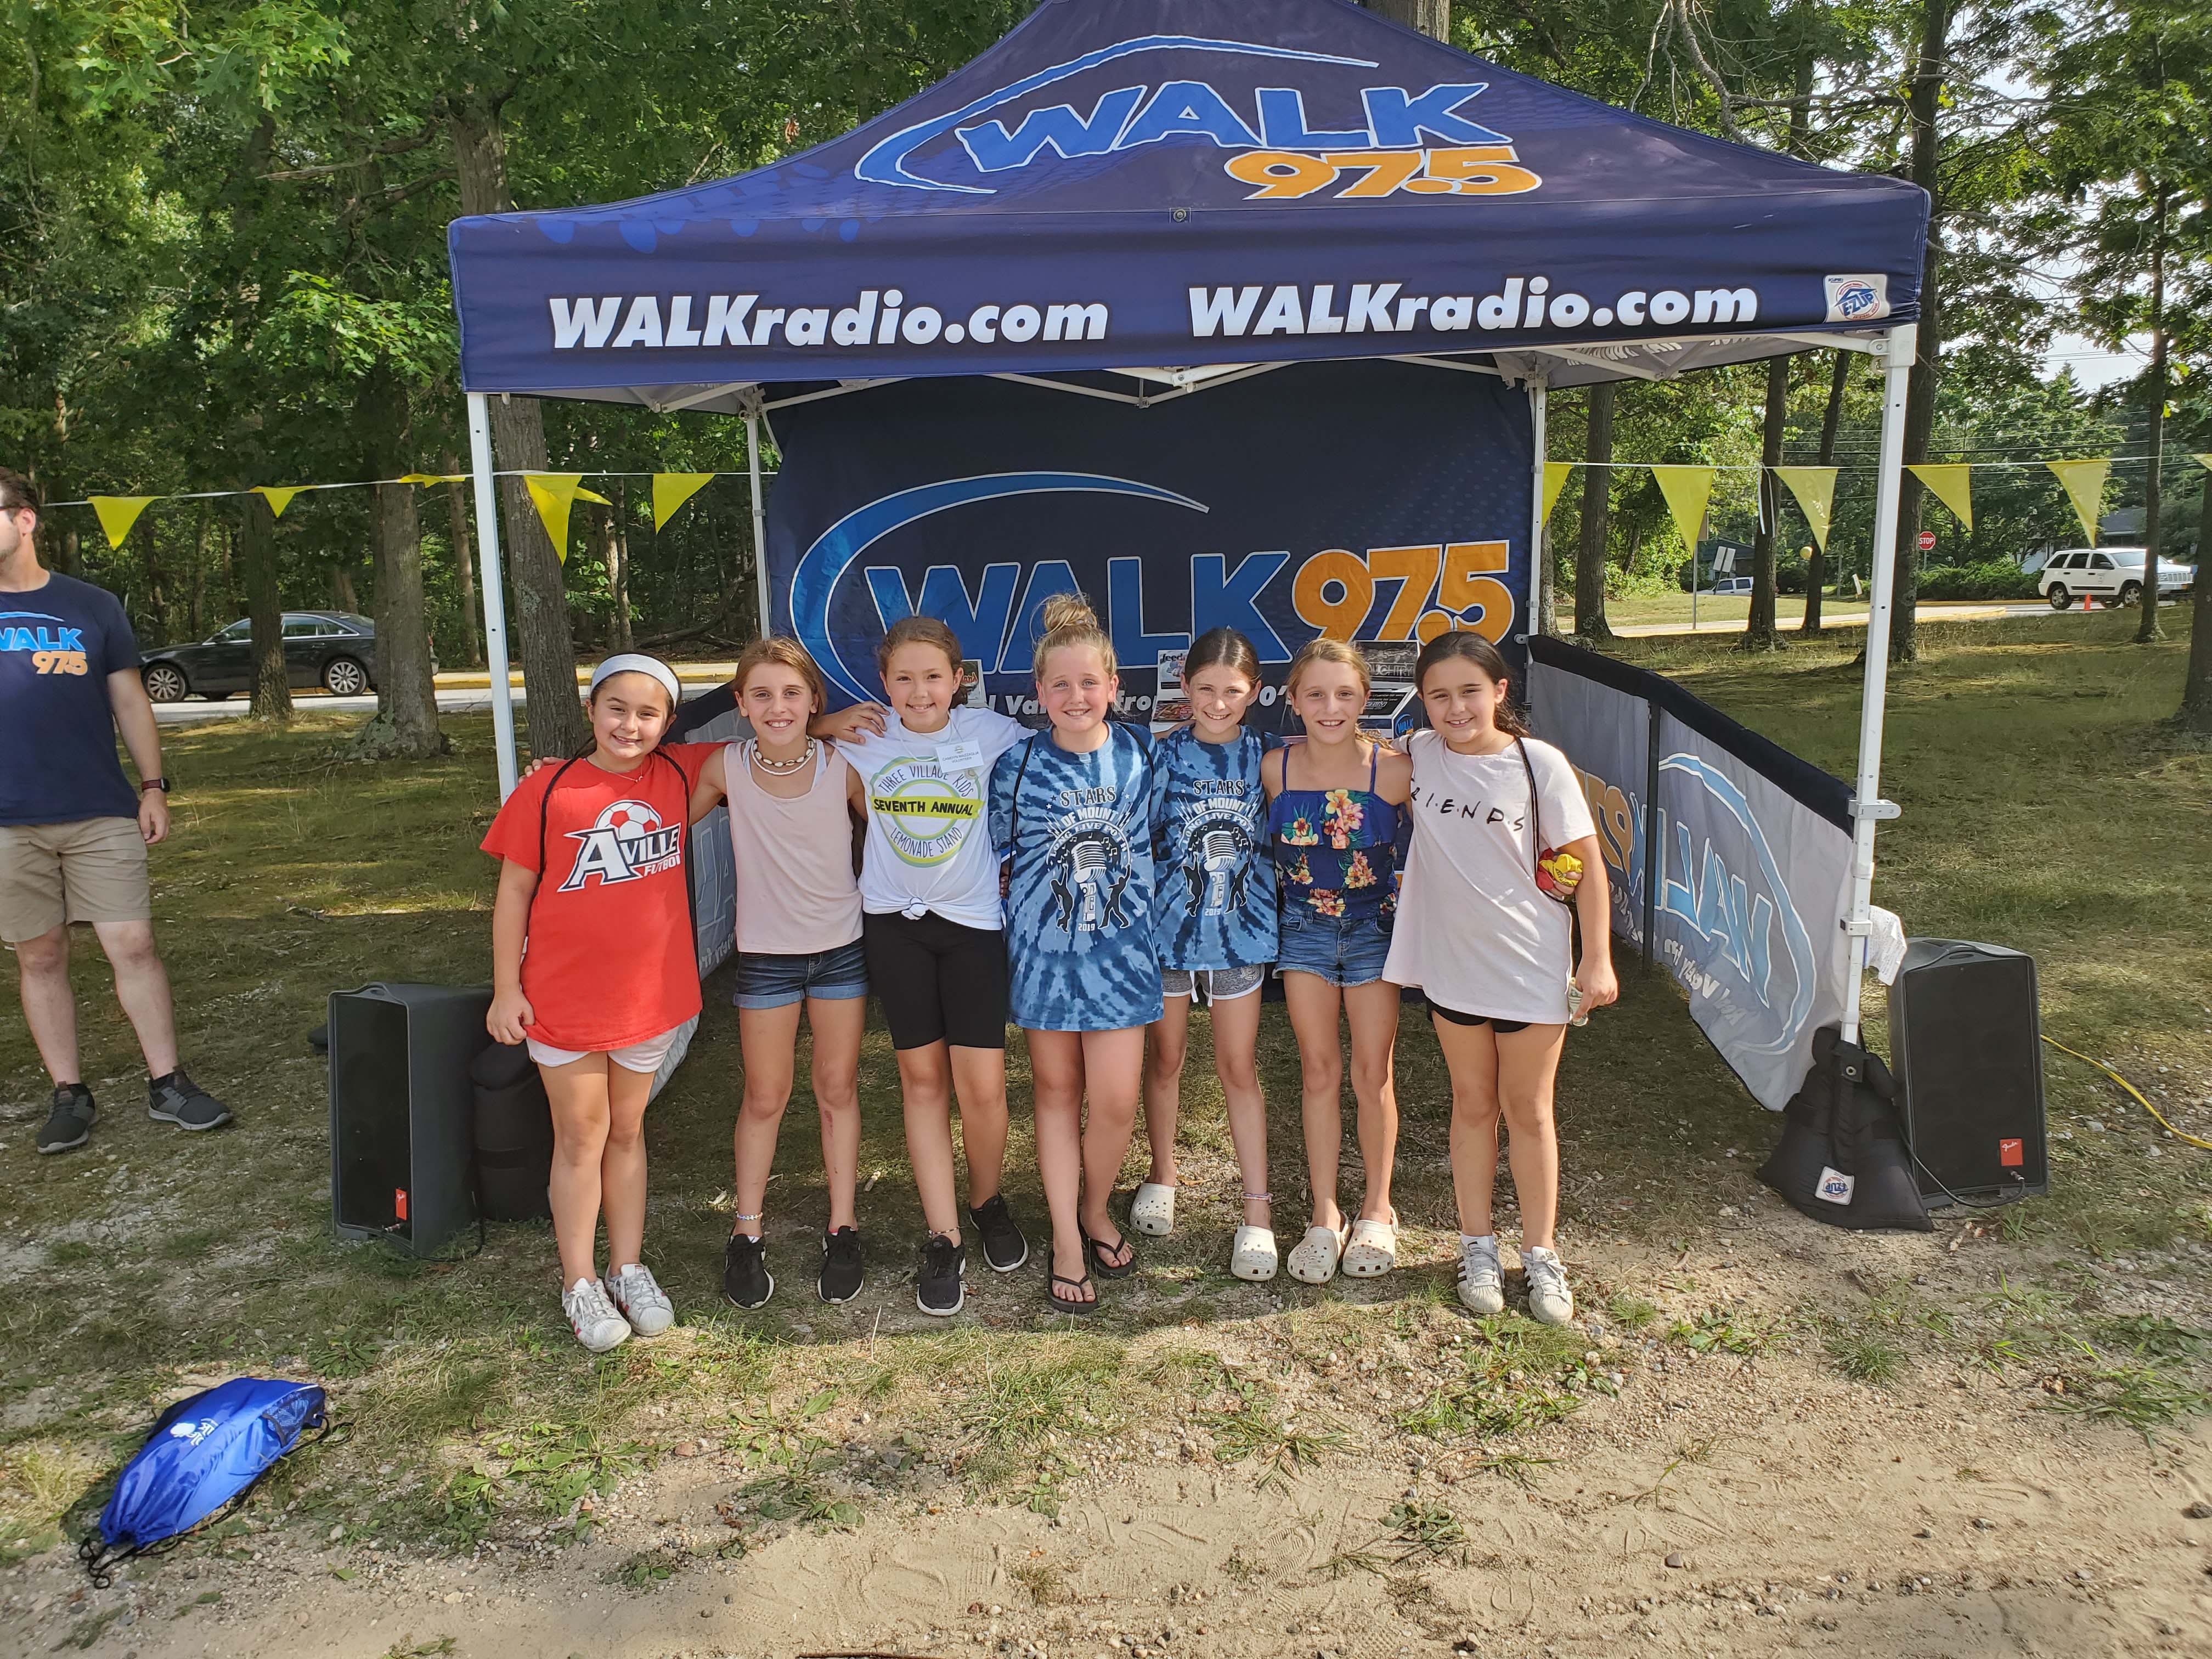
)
(1472, 932)
(929, 843)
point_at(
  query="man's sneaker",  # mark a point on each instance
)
(1481, 1280)
(638, 1296)
(593, 1317)
(177, 1099)
(70, 1122)
(1550, 1301)
(940, 1288)
(1004, 1246)
(841, 1268)
(746, 1281)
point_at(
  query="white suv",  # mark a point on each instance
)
(2114, 574)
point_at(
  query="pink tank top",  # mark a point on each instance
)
(797, 895)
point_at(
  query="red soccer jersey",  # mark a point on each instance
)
(610, 958)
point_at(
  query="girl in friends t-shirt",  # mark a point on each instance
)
(936, 957)
(793, 800)
(1213, 920)
(1500, 824)
(1333, 801)
(1071, 810)
(595, 967)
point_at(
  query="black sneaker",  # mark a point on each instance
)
(746, 1281)
(70, 1123)
(177, 1099)
(940, 1288)
(842, 1269)
(1004, 1246)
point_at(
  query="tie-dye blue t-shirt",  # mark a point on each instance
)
(1216, 906)
(1079, 910)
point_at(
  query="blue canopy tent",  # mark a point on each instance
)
(1140, 200)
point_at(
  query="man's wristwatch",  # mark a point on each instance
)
(161, 784)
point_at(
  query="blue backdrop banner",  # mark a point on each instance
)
(1377, 501)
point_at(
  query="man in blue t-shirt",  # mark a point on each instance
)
(73, 832)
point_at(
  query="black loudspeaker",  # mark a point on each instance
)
(402, 1111)
(1966, 1042)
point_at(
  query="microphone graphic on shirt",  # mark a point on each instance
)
(1091, 860)
(1219, 850)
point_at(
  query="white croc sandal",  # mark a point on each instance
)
(1314, 1258)
(1373, 1250)
(1252, 1254)
(1151, 1213)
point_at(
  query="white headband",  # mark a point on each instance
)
(636, 662)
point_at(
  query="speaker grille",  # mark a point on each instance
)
(369, 1113)
(1969, 1065)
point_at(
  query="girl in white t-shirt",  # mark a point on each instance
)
(1500, 826)
(936, 953)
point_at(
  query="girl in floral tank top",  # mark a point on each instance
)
(1336, 850)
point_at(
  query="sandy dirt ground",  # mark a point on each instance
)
(1719, 1504)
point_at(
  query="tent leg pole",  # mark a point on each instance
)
(760, 524)
(1540, 567)
(495, 593)
(1897, 369)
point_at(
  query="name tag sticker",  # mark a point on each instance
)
(960, 757)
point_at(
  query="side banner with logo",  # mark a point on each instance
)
(1746, 868)
(1377, 501)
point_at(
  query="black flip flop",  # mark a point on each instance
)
(1094, 1250)
(1060, 1304)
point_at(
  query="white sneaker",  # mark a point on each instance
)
(1550, 1301)
(593, 1317)
(1481, 1280)
(642, 1302)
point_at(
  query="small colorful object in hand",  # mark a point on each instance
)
(1557, 875)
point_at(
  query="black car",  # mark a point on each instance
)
(334, 649)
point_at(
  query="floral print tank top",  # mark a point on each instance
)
(1336, 850)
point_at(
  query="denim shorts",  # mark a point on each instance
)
(1341, 949)
(776, 981)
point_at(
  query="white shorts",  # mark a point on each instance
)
(1217, 984)
(644, 1056)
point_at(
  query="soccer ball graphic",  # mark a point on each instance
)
(630, 820)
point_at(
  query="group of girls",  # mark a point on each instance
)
(1088, 883)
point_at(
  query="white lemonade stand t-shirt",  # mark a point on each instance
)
(1474, 933)
(929, 843)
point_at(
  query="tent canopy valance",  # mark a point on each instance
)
(1140, 187)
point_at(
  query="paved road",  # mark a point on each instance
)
(476, 700)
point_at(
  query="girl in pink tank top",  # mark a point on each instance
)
(794, 803)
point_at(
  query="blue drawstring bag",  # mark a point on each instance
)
(202, 1456)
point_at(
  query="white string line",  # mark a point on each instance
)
(371, 484)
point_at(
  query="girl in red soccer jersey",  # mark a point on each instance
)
(593, 966)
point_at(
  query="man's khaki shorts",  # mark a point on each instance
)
(92, 870)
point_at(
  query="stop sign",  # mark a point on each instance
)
(1927, 541)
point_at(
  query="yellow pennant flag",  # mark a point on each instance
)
(593, 497)
(432, 478)
(1952, 485)
(1687, 488)
(1814, 487)
(279, 497)
(554, 494)
(2204, 460)
(2085, 487)
(118, 513)
(671, 489)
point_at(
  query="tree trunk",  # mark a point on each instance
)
(1590, 622)
(405, 724)
(342, 593)
(2196, 689)
(464, 564)
(67, 558)
(1816, 567)
(620, 636)
(1431, 17)
(265, 604)
(1925, 103)
(1548, 585)
(198, 618)
(2153, 493)
(554, 714)
(1759, 634)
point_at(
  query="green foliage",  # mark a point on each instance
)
(1997, 579)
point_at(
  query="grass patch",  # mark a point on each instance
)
(2143, 1397)
(1865, 1356)
(1514, 1379)
(1413, 1533)
(1249, 1425)
(1724, 1330)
